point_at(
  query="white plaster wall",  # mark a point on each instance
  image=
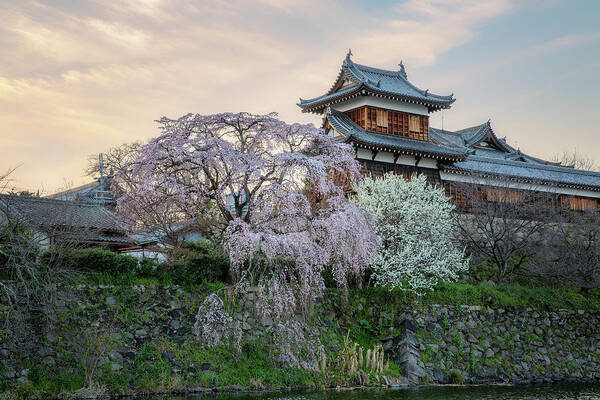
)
(384, 156)
(445, 176)
(364, 154)
(427, 163)
(403, 159)
(381, 103)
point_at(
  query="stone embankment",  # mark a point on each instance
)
(108, 326)
(474, 344)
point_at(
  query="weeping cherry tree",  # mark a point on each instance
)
(260, 174)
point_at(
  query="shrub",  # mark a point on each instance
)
(197, 262)
(96, 260)
(456, 377)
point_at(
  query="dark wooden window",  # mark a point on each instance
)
(462, 193)
(358, 115)
(577, 203)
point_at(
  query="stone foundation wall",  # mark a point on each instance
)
(97, 326)
(482, 345)
(109, 325)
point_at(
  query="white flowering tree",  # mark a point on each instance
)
(415, 223)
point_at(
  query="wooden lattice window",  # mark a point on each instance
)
(504, 195)
(457, 195)
(391, 122)
(414, 123)
(358, 115)
(371, 119)
(382, 118)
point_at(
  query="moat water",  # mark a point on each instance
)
(534, 392)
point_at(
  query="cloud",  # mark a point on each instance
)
(122, 35)
(87, 75)
(420, 30)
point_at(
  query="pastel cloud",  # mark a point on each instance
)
(434, 27)
(88, 75)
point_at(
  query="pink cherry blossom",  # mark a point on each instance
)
(276, 239)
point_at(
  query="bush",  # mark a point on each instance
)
(197, 262)
(194, 263)
(456, 377)
(96, 260)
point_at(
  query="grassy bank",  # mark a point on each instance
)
(542, 298)
(152, 371)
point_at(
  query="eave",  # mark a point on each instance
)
(396, 150)
(363, 90)
(512, 178)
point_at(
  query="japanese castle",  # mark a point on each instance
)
(386, 119)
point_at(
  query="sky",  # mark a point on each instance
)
(77, 77)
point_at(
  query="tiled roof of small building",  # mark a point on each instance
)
(506, 161)
(377, 82)
(98, 192)
(355, 133)
(49, 214)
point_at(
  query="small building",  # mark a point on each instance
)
(71, 223)
(96, 192)
(386, 118)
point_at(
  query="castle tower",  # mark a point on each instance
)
(386, 118)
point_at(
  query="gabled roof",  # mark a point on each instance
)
(502, 160)
(98, 192)
(94, 222)
(470, 137)
(371, 81)
(398, 144)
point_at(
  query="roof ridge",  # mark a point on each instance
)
(460, 131)
(73, 189)
(399, 75)
(377, 70)
(49, 200)
(444, 131)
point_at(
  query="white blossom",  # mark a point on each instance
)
(415, 223)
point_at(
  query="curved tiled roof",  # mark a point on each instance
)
(469, 137)
(377, 82)
(508, 162)
(530, 172)
(356, 134)
(51, 213)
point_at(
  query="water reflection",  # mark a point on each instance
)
(541, 392)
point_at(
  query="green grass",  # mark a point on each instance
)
(253, 365)
(152, 371)
(43, 385)
(123, 279)
(458, 294)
